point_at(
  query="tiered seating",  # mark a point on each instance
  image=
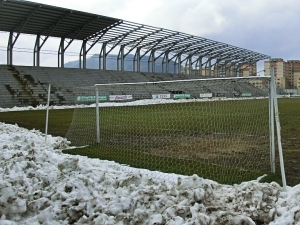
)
(10, 89)
(24, 85)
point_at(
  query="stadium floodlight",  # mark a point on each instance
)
(218, 128)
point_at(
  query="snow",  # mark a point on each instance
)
(131, 103)
(41, 185)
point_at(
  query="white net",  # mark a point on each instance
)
(216, 128)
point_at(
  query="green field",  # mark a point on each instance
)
(191, 130)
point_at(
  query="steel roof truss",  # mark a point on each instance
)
(174, 43)
(138, 41)
(133, 47)
(79, 29)
(157, 41)
(95, 36)
(219, 51)
(227, 57)
(121, 38)
(100, 36)
(68, 43)
(23, 23)
(30, 17)
(52, 28)
(186, 46)
(143, 37)
(2, 2)
(159, 55)
(205, 48)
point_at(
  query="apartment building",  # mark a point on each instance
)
(287, 73)
(248, 70)
(224, 70)
(294, 73)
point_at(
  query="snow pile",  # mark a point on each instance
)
(288, 207)
(132, 103)
(40, 185)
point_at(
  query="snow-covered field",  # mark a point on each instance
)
(40, 185)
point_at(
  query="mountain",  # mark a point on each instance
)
(111, 63)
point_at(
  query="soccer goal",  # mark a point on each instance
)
(219, 128)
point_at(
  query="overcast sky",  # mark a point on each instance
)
(264, 26)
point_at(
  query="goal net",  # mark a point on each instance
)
(216, 128)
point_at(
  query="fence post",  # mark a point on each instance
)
(97, 115)
(271, 124)
(47, 114)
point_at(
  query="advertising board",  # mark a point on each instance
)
(206, 95)
(120, 97)
(91, 98)
(181, 96)
(161, 96)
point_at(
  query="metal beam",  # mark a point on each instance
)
(36, 53)
(104, 31)
(54, 26)
(102, 56)
(95, 35)
(121, 56)
(2, 2)
(23, 22)
(61, 53)
(10, 46)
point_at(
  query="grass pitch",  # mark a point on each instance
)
(167, 161)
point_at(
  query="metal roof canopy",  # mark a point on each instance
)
(35, 18)
(17, 16)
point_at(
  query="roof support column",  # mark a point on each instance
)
(216, 69)
(239, 69)
(121, 56)
(37, 49)
(151, 60)
(61, 53)
(236, 70)
(209, 67)
(83, 55)
(137, 60)
(36, 54)
(11, 41)
(228, 69)
(232, 70)
(189, 60)
(165, 61)
(221, 70)
(179, 63)
(200, 65)
(102, 57)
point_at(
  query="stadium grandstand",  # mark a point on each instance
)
(27, 85)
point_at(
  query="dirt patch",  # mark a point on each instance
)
(251, 153)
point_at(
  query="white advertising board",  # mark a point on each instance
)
(161, 96)
(120, 97)
(206, 95)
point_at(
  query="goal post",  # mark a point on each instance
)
(275, 114)
(218, 128)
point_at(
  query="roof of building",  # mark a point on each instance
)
(39, 19)
(35, 18)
